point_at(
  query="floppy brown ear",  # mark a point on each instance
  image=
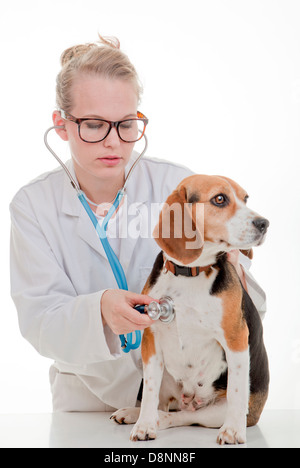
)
(248, 253)
(179, 230)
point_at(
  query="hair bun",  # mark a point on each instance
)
(74, 51)
(78, 50)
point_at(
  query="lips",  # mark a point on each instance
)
(110, 160)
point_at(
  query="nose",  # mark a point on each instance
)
(112, 138)
(261, 224)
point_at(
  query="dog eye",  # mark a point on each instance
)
(220, 200)
(246, 198)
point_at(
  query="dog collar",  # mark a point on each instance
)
(178, 270)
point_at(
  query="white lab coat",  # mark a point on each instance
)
(59, 272)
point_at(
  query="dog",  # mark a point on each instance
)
(209, 366)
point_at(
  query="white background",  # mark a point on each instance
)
(222, 92)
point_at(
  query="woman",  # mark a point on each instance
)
(68, 306)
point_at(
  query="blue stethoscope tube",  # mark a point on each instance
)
(126, 343)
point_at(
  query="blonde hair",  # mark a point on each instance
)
(103, 58)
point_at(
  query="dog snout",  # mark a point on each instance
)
(261, 224)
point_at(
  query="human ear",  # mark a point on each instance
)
(58, 121)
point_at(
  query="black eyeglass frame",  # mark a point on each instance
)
(141, 117)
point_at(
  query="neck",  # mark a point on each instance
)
(99, 190)
(209, 256)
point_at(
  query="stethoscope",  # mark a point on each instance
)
(164, 309)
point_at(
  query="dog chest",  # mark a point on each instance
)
(191, 352)
(195, 307)
(191, 355)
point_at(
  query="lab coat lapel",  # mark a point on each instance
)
(86, 231)
(129, 240)
(137, 195)
(72, 207)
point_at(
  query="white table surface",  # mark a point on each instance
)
(277, 428)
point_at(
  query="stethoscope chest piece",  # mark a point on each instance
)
(164, 310)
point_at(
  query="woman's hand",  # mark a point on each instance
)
(118, 313)
(233, 258)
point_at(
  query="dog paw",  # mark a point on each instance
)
(143, 431)
(126, 415)
(228, 435)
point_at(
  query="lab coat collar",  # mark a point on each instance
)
(137, 192)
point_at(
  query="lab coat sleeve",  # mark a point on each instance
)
(58, 323)
(256, 293)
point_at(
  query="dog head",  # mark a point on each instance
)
(208, 212)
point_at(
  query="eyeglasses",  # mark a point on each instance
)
(95, 130)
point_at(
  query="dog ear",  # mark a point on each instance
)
(179, 231)
(248, 253)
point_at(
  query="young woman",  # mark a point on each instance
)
(66, 296)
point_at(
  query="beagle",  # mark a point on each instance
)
(199, 364)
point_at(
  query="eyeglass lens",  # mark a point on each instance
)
(96, 130)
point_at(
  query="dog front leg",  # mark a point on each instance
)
(146, 426)
(233, 430)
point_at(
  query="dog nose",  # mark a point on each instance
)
(261, 224)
